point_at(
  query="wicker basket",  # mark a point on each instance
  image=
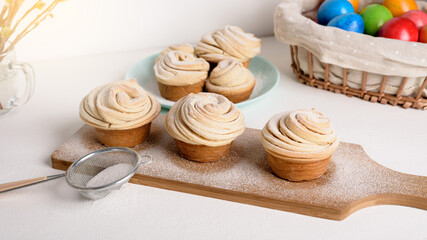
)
(376, 71)
(418, 102)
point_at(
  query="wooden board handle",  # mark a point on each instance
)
(414, 189)
(398, 189)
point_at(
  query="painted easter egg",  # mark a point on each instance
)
(400, 7)
(351, 22)
(418, 17)
(399, 28)
(423, 34)
(331, 9)
(355, 4)
(374, 16)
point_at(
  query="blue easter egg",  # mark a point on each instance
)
(331, 9)
(351, 22)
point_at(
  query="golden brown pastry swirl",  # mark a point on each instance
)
(178, 68)
(230, 76)
(302, 135)
(118, 106)
(205, 119)
(177, 47)
(229, 42)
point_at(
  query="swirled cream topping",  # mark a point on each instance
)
(118, 106)
(228, 76)
(302, 135)
(177, 47)
(229, 42)
(205, 119)
(178, 68)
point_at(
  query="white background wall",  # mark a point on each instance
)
(83, 27)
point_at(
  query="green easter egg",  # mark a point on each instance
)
(374, 16)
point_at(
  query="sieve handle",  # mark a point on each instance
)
(24, 183)
(150, 159)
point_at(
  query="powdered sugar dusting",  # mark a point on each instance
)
(260, 82)
(350, 176)
(110, 175)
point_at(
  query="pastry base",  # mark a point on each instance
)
(234, 97)
(174, 93)
(123, 138)
(240, 97)
(247, 63)
(297, 171)
(202, 153)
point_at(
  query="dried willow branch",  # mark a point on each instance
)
(3, 12)
(9, 26)
(24, 16)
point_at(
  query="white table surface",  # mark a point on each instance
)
(393, 136)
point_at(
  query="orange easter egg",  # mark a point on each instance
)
(355, 4)
(400, 7)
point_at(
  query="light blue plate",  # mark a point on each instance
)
(266, 74)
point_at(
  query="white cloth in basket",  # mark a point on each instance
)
(293, 25)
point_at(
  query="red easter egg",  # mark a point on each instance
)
(418, 17)
(423, 34)
(399, 28)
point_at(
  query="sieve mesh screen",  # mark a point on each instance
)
(106, 167)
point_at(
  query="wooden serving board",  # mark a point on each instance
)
(352, 181)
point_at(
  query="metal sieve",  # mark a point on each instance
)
(96, 174)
